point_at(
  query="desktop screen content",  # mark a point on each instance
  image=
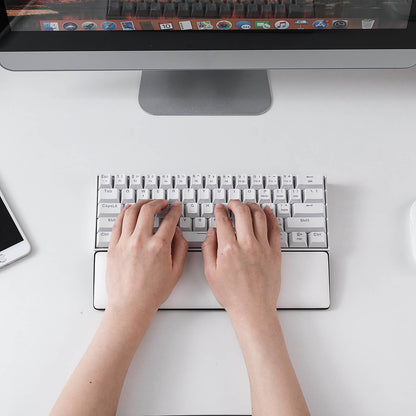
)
(178, 15)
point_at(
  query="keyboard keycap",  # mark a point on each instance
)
(105, 181)
(295, 195)
(109, 210)
(272, 182)
(196, 181)
(185, 223)
(108, 195)
(241, 182)
(308, 210)
(195, 239)
(200, 224)
(211, 182)
(297, 239)
(173, 195)
(219, 196)
(309, 181)
(105, 223)
(317, 240)
(204, 195)
(234, 194)
(249, 195)
(120, 181)
(265, 196)
(305, 224)
(158, 193)
(166, 182)
(128, 196)
(207, 210)
(188, 195)
(287, 182)
(313, 195)
(256, 182)
(192, 210)
(226, 182)
(103, 239)
(150, 182)
(279, 196)
(181, 181)
(283, 210)
(136, 182)
(142, 194)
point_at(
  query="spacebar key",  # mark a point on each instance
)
(195, 239)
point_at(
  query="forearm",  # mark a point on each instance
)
(95, 386)
(274, 387)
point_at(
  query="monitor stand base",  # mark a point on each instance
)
(208, 93)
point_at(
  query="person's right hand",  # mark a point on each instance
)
(243, 268)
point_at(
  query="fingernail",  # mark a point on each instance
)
(219, 206)
(177, 204)
(126, 207)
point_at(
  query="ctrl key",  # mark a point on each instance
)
(103, 239)
(317, 239)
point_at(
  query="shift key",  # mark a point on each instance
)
(306, 225)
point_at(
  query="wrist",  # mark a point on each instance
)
(129, 326)
(253, 318)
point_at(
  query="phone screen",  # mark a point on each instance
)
(9, 234)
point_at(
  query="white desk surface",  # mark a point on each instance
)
(59, 130)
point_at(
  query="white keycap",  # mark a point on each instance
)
(271, 206)
(281, 223)
(192, 210)
(194, 238)
(173, 195)
(272, 182)
(108, 195)
(313, 195)
(265, 196)
(234, 194)
(166, 182)
(297, 239)
(188, 195)
(103, 239)
(105, 223)
(218, 196)
(142, 194)
(207, 210)
(211, 181)
(136, 182)
(226, 182)
(241, 181)
(283, 239)
(204, 195)
(120, 181)
(317, 239)
(279, 196)
(158, 193)
(295, 195)
(196, 181)
(150, 182)
(181, 181)
(308, 210)
(128, 196)
(309, 181)
(200, 224)
(109, 210)
(249, 195)
(305, 224)
(105, 181)
(256, 182)
(212, 223)
(283, 210)
(185, 223)
(287, 182)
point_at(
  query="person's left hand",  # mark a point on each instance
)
(143, 267)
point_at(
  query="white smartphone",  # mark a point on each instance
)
(13, 243)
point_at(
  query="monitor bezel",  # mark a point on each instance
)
(31, 41)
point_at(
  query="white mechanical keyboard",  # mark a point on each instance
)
(299, 202)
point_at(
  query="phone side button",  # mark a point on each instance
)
(3, 258)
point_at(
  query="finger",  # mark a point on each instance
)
(225, 231)
(209, 251)
(130, 218)
(146, 219)
(117, 227)
(179, 252)
(243, 220)
(273, 229)
(168, 227)
(259, 222)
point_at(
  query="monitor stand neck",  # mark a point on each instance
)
(210, 93)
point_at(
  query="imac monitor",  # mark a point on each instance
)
(206, 56)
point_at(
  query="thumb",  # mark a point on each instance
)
(209, 251)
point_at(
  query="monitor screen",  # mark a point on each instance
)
(204, 15)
